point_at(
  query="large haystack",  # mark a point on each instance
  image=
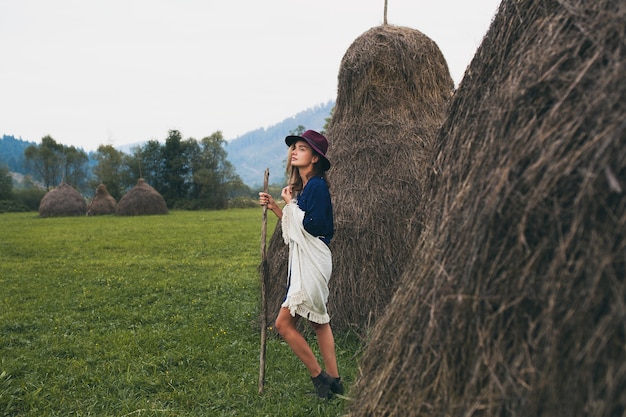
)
(62, 201)
(394, 86)
(142, 199)
(102, 202)
(515, 302)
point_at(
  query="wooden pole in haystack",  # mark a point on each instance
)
(264, 274)
(385, 17)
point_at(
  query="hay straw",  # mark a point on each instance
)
(142, 199)
(515, 301)
(102, 203)
(62, 201)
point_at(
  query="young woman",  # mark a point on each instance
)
(307, 225)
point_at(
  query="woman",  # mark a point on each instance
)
(307, 224)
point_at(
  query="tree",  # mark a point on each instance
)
(187, 173)
(192, 151)
(75, 166)
(213, 175)
(54, 162)
(297, 131)
(109, 170)
(46, 160)
(175, 169)
(327, 121)
(149, 164)
(6, 184)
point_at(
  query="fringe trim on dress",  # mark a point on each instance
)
(296, 304)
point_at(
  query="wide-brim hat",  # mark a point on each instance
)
(316, 140)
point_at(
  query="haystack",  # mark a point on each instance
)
(102, 202)
(515, 301)
(62, 201)
(142, 199)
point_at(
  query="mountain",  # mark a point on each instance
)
(253, 152)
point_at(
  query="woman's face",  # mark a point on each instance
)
(302, 155)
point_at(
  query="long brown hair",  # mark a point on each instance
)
(295, 180)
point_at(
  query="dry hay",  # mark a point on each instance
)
(62, 201)
(102, 202)
(394, 86)
(142, 199)
(515, 302)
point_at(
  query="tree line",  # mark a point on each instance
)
(188, 173)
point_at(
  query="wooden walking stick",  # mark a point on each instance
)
(264, 274)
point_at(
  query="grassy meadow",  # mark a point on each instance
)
(144, 316)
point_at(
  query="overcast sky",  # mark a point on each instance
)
(92, 72)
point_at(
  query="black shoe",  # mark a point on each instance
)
(336, 386)
(322, 384)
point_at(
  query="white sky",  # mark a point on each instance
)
(92, 72)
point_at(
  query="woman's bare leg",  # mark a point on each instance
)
(326, 342)
(286, 327)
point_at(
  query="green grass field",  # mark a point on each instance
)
(144, 316)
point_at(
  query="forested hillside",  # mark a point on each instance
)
(264, 148)
(12, 153)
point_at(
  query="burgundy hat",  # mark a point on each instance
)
(317, 141)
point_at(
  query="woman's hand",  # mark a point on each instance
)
(287, 194)
(266, 200)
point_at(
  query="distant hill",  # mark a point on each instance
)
(12, 153)
(253, 152)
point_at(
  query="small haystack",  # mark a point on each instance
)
(62, 201)
(394, 87)
(102, 202)
(142, 199)
(515, 301)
